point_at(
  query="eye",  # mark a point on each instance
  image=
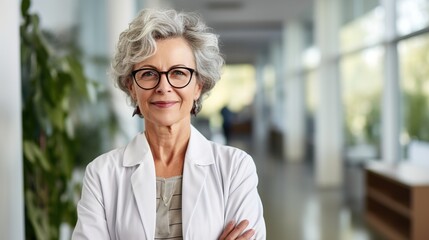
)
(147, 74)
(178, 72)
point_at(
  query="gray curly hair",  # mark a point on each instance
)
(138, 43)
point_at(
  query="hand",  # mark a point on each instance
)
(233, 231)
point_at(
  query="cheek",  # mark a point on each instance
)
(141, 97)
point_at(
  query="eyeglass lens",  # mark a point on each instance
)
(148, 78)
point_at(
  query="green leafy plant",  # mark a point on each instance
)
(415, 94)
(417, 114)
(53, 85)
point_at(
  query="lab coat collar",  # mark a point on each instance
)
(198, 149)
(136, 152)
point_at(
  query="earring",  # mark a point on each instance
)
(137, 111)
(195, 108)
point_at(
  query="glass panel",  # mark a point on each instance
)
(362, 24)
(412, 15)
(353, 9)
(414, 62)
(236, 89)
(362, 78)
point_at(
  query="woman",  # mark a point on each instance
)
(169, 182)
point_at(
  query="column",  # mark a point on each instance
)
(329, 124)
(295, 92)
(11, 165)
(278, 101)
(391, 147)
(120, 14)
(259, 110)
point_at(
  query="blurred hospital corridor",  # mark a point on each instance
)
(329, 97)
(295, 208)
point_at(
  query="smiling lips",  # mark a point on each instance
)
(164, 104)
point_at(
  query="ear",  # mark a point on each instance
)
(132, 90)
(197, 91)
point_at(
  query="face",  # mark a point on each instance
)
(165, 105)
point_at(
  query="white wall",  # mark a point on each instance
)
(57, 15)
(11, 178)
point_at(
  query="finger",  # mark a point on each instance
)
(238, 230)
(247, 235)
(228, 228)
(242, 225)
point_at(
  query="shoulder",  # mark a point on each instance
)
(204, 151)
(106, 163)
(232, 160)
(230, 153)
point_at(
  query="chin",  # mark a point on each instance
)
(169, 120)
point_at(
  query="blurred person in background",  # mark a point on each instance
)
(169, 182)
(227, 117)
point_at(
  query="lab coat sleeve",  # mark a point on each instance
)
(243, 199)
(91, 222)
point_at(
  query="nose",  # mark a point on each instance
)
(163, 85)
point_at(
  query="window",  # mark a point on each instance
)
(366, 26)
(414, 62)
(412, 15)
(361, 79)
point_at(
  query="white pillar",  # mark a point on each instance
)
(295, 92)
(259, 110)
(11, 166)
(277, 116)
(120, 14)
(391, 148)
(329, 123)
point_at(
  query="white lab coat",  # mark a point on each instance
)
(118, 194)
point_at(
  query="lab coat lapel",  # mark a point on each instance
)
(197, 161)
(143, 182)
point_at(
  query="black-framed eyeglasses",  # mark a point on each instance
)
(149, 78)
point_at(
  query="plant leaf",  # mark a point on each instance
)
(29, 151)
(34, 153)
(25, 5)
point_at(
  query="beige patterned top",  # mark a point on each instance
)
(169, 208)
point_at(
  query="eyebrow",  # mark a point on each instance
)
(153, 67)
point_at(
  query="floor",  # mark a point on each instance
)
(294, 208)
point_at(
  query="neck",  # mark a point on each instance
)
(168, 144)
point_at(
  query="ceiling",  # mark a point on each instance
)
(247, 27)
